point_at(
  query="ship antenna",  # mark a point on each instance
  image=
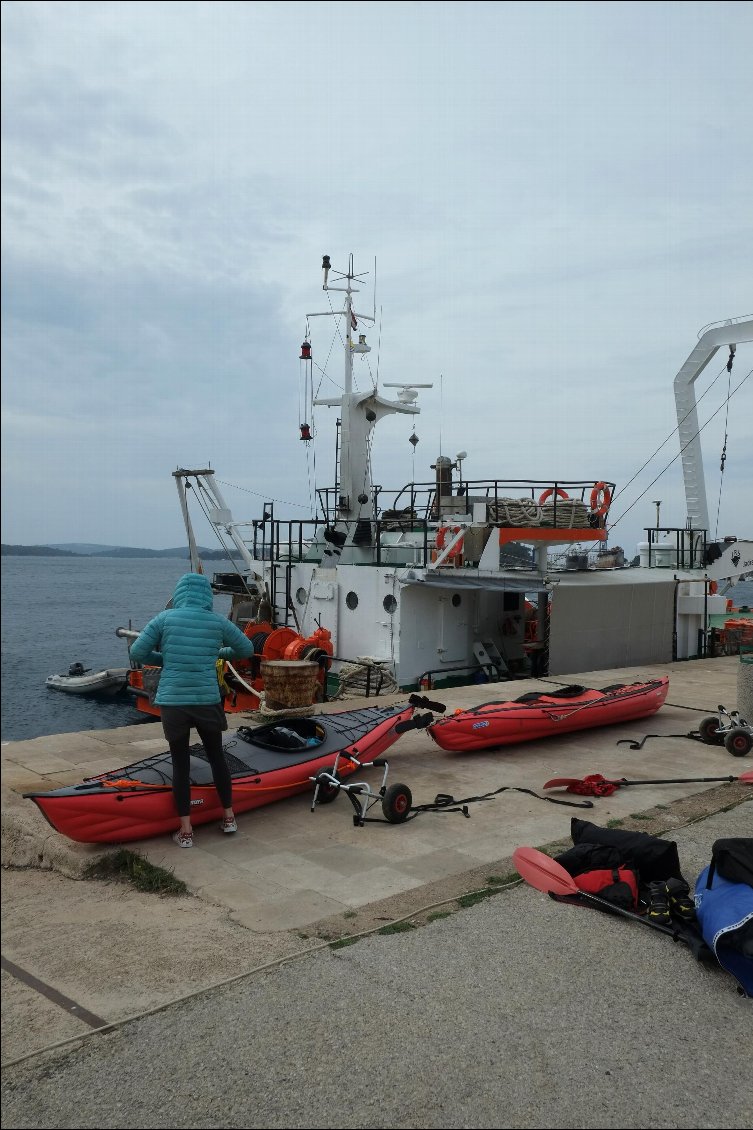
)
(379, 345)
(441, 409)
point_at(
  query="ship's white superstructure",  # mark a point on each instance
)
(457, 579)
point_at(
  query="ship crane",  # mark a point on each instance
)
(730, 333)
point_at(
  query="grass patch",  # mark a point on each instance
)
(396, 928)
(437, 915)
(503, 880)
(476, 896)
(342, 942)
(614, 823)
(349, 914)
(639, 816)
(126, 867)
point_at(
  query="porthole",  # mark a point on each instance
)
(455, 599)
(352, 600)
(300, 595)
(389, 604)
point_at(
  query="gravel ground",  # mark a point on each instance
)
(514, 1012)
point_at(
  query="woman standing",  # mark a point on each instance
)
(186, 640)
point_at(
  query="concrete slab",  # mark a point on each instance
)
(288, 865)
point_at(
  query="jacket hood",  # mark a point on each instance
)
(193, 590)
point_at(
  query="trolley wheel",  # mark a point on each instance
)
(396, 803)
(738, 742)
(328, 789)
(709, 732)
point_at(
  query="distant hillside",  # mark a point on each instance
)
(34, 551)
(86, 549)
(76, 549)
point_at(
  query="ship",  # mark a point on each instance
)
(454, 580)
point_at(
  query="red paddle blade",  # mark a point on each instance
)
(542, 872)
(746, 777)
(593, 785)
(562, 782)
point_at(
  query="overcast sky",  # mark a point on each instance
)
(557, 197)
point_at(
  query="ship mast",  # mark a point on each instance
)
(360, 412)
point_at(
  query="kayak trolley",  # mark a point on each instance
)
(396, 801)
(727, 728)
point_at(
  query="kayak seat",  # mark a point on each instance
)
(573, 691)
(294, 735)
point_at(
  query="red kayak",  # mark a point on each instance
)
(266, 764)
(546, 714)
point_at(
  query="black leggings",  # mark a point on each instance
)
(212, 742)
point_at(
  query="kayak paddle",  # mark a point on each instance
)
(545, 874)
(596, 785)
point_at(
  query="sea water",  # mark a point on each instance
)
(62, 610)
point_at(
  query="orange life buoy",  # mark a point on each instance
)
(442, 533)
(548, 494)
(713, 588)
(601, 497)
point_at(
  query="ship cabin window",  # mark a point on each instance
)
(300, 595)
(352, 600)
(455, 599)
(389, 604)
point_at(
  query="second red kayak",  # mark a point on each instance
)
(546, 714)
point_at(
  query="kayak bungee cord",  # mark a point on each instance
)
(443, 801)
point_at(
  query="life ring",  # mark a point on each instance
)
(601, 497)
(442, 533)
(548, 494)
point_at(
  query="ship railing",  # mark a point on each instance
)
(561, 497)
(676, 547)
(489, 671)
(668, 547)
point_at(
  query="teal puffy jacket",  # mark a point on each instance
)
(186, 640)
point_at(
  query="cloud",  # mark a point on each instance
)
(556, 197)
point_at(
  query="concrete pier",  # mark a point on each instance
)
(292, 883)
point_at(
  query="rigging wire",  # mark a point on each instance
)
(247, 490)
(323, 371)
(668, 438)
(308, 414)
(723, 458)
(682, 449)
(202, 495)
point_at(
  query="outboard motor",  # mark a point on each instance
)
(76, 669)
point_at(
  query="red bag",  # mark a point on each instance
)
(618, 885)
